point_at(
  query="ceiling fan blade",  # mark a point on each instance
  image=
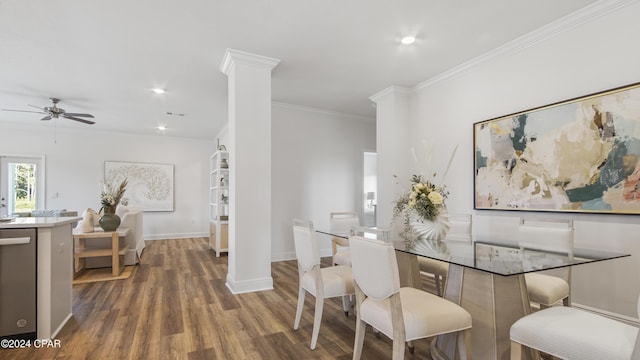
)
(37, 107)
(37, 112)
(66, 116)
(79, 115)
(48, 117)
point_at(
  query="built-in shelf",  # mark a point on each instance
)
(219, 202)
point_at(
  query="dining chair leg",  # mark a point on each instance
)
(358, 343)
(317, 319)
(301, 293)
(361, 326)
(398, 350)
(346, 305)
(399, 334)
(516, 351)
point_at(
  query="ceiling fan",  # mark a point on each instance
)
(53, 112)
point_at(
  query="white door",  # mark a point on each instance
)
(21, 184)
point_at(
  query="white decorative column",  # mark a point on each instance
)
(250, 170)
(393, 147)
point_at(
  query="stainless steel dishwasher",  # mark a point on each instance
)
(18, 283)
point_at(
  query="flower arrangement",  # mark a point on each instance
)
(110, 196)
(424, 202)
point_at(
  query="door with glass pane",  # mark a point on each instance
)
(21, 184)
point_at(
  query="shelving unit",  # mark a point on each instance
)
(219, 202)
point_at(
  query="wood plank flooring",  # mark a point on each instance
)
(176, 306)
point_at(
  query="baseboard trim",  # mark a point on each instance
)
(247, 286)
(175, 236)
(62, 324)
(283, 257)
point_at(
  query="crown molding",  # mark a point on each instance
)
(232, 56)
(582, 16)
(393, 89)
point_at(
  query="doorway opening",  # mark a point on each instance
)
(370, 186)
(21, 185)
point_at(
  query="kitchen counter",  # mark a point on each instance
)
(37, 222)
(54, 270)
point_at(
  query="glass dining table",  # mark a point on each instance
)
(487, 279)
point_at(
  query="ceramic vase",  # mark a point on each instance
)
(109, 220)
(432, 230)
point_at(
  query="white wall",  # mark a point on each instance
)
(75, 166)
(317, 168)
(594, 56)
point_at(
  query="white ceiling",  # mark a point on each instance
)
(103, 57)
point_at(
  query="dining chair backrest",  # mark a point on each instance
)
(460, 228)
(374, 267)
(546, 235)
(307, 250)
(371, 233)
(342, 222)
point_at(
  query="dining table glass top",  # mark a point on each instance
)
(497, 257)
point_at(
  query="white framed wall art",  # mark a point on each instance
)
(150, 186)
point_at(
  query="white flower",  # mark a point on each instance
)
(436, 198)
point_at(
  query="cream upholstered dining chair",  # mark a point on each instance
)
(554, 236)
(460, 231)
(322, 283)
(574, 334)
(342, 222)
(403, 314)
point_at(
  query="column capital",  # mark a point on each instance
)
(232, 56)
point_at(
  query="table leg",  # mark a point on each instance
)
(495, 302)
(115, 254)
(79, 263)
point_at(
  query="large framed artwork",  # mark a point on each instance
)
(578, 155)
(150, 186)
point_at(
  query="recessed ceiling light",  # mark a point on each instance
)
(159, 91)
(161, 128)
(408, 40)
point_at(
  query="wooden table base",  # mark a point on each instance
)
(495, 302)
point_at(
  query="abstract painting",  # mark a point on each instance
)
(579, 155)
(150, 186)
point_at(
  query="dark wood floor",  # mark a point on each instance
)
(176, 306)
